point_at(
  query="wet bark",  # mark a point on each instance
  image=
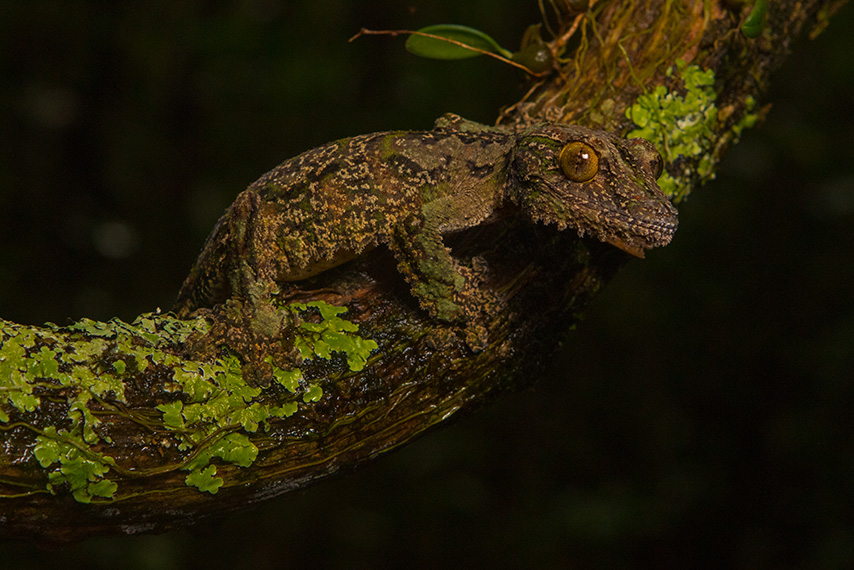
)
(422, 374)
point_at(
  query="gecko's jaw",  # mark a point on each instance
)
(633, 234)
(629, 248)
(652, 224)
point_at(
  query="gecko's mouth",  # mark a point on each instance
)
(630, 248)
(643, 225)
(629, 233)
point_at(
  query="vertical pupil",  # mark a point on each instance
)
(579, 162)
(582, 160)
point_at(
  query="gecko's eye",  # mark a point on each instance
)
(579, 161)
(645, 152)
(657, 166)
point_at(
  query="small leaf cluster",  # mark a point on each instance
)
(332, 334)
(234, 448)
(214, 402)
(219, 401)
(15, 385)
(82, 468)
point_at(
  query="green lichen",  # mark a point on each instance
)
(216, 402)
(680, 126)
(234, 448)
(332, 334)
(79, 466)
(313, 394)
(14, 365)
(212, 412)
(683, 128)
(78, 364)
(221, 401)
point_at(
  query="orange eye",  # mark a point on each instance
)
(579, 161)
(657, 166)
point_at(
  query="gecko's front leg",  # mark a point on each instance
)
(446, 288)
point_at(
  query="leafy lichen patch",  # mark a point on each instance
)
(332, 334)
(684, 127)
(207, 407)
(680, 126)
(80, 467)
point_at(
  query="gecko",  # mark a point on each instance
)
(408, 189)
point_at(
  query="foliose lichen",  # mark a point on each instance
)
(683, 126)
(210, 410)
(680, 126)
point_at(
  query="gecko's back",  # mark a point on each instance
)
(329, 204)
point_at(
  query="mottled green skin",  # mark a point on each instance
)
(407, 189)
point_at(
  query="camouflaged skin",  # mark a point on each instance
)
(406, 189)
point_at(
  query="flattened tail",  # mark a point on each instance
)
(200, 289)
(207, 283)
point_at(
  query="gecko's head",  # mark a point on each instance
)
(594, 182)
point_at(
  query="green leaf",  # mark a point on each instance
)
(287, 378)
(285, 411)
(47, 449)
(327, 311)
(438, 49)
(249, 417)
(204, 479)
(755, 21)
(82, 470)
(24, 402)
(172, 414)
(103, 488)
(313, 394)
(193, 382)
(44, 363)
(235, 448)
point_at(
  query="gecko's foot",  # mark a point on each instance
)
(262, 336)
(476, 337)
(478, 304)
(479, 269)
(459, 300)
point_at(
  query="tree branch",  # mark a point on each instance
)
(125, 428)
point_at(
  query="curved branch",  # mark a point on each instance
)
(154, 433)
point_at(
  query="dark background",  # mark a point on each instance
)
(700, 417)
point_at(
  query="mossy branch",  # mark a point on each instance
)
(124, 427)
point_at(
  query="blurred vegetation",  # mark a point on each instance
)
(698, 418)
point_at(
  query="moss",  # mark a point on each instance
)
(211, 411)
(222, 402)
(232, 448)
(313, 394)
